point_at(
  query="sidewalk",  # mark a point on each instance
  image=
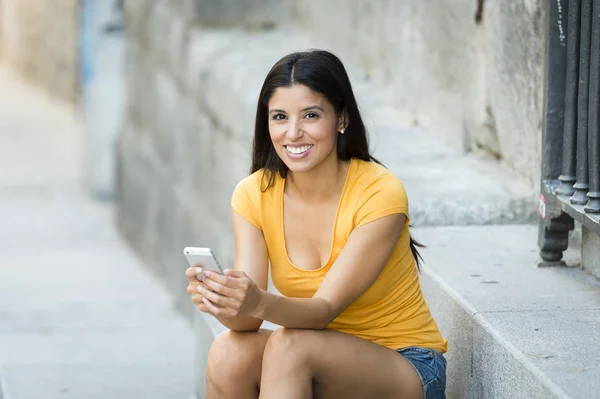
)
(80, 317)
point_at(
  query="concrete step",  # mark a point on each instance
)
(515, 330)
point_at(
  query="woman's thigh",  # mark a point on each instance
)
(344, 366)
(236, 356)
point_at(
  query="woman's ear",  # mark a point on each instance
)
(343, 121)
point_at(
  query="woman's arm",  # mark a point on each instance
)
(251, 259)
(356, 268)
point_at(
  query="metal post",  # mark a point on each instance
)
(567, 177)
(554, 225)
(581, 186)
(554, 89)
(593, 195)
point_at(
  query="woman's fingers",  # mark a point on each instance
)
(228, 281)
(218, 311)
(192, 272)
(218, 299)
(219, 288)
(197, 298)
(218, 294)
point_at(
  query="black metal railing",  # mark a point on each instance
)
(570, 187)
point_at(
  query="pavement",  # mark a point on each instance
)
(80, 315)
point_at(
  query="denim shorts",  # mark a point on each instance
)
(431, 367)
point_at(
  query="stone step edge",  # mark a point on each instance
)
(480, 320)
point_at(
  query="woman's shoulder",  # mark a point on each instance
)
(251, 181)
(258, 183)
(250, 197)
(371, 174)
(376, 193)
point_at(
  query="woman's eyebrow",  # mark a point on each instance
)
(303, 110)
(313, 107)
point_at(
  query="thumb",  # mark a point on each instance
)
(234, 273)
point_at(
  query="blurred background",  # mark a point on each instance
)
(126, 124)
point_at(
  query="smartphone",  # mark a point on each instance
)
(203, 257)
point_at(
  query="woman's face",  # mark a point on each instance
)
(303, 127)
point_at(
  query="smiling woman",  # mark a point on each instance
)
(334, 225)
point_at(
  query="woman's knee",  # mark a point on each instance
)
(233, 353)
(288, 345)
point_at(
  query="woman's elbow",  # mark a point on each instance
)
(329, 315)
(242, 325)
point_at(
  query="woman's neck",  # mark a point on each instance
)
(320, 183)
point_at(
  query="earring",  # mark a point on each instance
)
(343, 130)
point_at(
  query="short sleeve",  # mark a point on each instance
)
(383, 197)
(245, 200)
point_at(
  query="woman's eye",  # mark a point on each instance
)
(278, 117)
(312, 115)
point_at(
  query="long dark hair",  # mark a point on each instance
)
(324, 73)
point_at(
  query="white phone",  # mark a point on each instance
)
(204, 257)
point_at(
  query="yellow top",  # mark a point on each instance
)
(392, 312)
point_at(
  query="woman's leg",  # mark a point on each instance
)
(234, 364)
(330, 364)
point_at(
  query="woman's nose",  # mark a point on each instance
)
(294, 130)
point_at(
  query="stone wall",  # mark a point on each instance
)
(476, 84)
(38, 38)
(178, 161)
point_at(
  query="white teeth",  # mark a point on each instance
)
(298, 150)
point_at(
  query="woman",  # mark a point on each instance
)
(333, 223)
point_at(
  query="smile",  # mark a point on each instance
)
(297, 150)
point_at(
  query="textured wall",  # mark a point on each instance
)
(38, 38)
(179, 163)
(475, 85)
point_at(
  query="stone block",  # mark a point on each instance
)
(176, 44)
(192, 161)
(133, 106)
(128, 174)
(590, 252)
(201, 157)
(250, 14)
(166, 128)
(203, 48)
(223, 180)
(40, 41)
(494, 376)
(141, 76)
(514, 37)
(455, 321)
(173, 238)
(135, 14)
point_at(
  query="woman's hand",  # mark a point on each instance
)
(192, 288)
(230, 294)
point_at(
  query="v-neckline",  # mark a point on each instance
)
(333, 230)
